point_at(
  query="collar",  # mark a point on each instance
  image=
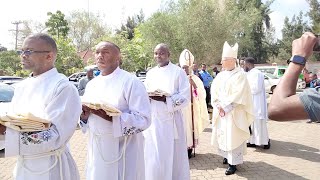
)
(45, 75)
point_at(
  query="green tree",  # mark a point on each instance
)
(57, 24)
(68, 61)
(130, 25)
(85, 29)
(10, 64)
(314, 15)
(291, 30)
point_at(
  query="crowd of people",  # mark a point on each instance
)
(154, 134)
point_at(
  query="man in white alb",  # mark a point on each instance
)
(115, 147)
(165, 140)
(259, 131)
(50, 96)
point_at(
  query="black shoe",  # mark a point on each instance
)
(251, 145)
(190, 153)
(267, 146)
(231, 169)
(225, 161)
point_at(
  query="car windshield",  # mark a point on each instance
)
(6, 93)
(271, 76)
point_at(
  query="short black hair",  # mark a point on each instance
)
(203, 64)
(46, 38)
(250, 60)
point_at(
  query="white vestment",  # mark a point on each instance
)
(230, 90)
(165, 149)
(115, 149)
(44, 155)
(259, 126)
(200, 113)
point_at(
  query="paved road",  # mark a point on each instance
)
(294, 154)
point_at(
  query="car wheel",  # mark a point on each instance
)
(272, 89)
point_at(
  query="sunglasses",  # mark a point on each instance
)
(29, 52)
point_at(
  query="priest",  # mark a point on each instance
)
(196, 113)
(233, 110)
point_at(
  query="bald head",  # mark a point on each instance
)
(108, 44)
(107, 57)
(162, 54)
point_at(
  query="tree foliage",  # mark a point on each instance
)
(129, 27)
(68, 61)
(57, 24)
(314, 14)
(85, 28)
(10, 64)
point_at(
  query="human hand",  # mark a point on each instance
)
(2, 129)
(158, 98)
(304, 45)
(222, 113)
(85, 113)
(101, 113)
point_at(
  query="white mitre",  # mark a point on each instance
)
(230, 52)
(186, 58)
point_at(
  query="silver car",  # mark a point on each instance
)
(6, 94)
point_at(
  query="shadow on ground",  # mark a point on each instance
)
(289, 149)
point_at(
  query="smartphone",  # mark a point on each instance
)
(316, 47)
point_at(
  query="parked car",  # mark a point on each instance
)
(10, 79)
(75, 77)
(271, 82)
(277, 71)
(6, 94)
(141, 75)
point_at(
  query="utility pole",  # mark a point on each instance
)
(16, 32)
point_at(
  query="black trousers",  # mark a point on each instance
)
(208, 96)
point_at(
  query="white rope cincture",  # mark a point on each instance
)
(57, 153)
(123, 152)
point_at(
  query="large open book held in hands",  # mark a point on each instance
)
(158, 92)
(109, 109)
(24, 122)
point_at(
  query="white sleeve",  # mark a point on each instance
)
(255, 82)
(137, 118)
(63, 111)
(182, 98)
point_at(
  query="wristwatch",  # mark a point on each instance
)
(298, 60)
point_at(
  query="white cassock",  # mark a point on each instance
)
(259, 126)
(44, 155)
(200, 113)
(230, 90)
(115, 149)
(165, 148)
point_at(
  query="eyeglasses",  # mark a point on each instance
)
(29, 52)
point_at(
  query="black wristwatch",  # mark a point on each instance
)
(298, 60)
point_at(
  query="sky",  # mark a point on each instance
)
(113, 11)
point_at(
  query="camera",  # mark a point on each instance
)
(316, 47)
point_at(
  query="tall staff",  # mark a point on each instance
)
(187, 56)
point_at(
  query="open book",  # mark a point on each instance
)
(24, 122)
(110, 110)
(158, 92)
